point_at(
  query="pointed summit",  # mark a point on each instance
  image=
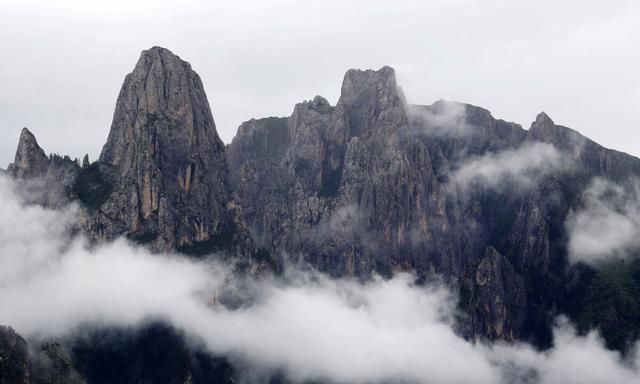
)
(165, 94)
(164, 156)
(543, 120)
(30, 159)
(371, 101)
(543, 128)
(383, 81)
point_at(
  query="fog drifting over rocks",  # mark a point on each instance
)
(306, 325)
(524, 166)
(607, 225)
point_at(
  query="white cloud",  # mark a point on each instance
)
(573, 360)
(442, 119)
(607, 225)
(524, 167)
(309, 326)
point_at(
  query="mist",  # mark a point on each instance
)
(304, 324)
(442, 119)
(524, 166)
(607, 224)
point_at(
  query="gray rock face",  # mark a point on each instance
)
(498, 297)
(365, 186)
(164, 159)
(43, 180)
(30, 160)
(14, 366)
(360, 187)
(593, 158)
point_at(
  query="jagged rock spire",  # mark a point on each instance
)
(371, 100)
(85, 161)
(162, 90)
(166, 159)
(30, 159)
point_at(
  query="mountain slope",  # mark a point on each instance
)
(376, 185)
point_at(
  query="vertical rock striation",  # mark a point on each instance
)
(165, 160)
(365, 186)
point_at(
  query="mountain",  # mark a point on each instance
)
(165, 160)
(45, 179)
(370, 185)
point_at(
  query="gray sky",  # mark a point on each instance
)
(63, 62)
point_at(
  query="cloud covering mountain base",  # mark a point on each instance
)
(303, 324)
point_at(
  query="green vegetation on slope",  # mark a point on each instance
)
(607, 298)
(91, 187)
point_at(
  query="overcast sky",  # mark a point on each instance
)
(63, 62)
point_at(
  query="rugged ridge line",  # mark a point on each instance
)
(354, 189)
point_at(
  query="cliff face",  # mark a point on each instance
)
(361, 187)
(164, 160)
(370, 185)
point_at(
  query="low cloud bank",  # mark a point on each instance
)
(523, 167)
(607, 225)
(308, 326)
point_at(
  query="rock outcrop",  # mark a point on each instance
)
(30, 160)
(165, 161)
(44, 179)
(365, 186)
(498, 297)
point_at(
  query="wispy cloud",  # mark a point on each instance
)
(607, 225)
(442, 119)
(522, 167)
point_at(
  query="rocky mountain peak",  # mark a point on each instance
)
(30, 159)
(371, 102)
(368, 86)
(165, 157)
(543, 128)
(567, 139)
(161, 89)
(542, 119)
